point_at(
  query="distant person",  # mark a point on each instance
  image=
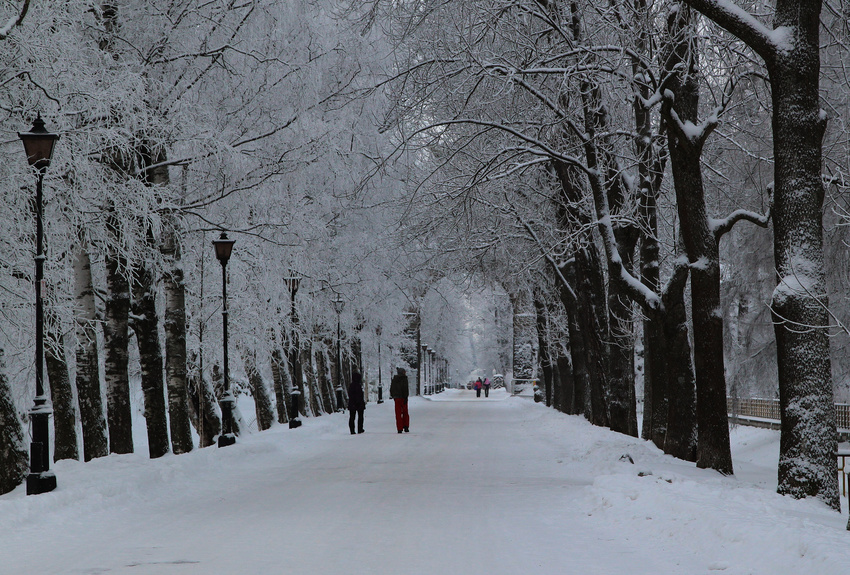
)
(356, 402)
(399, 390)
(478, 386)
(486, 387)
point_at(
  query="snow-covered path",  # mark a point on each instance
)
(495, 486)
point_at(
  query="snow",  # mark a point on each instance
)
(487, 486)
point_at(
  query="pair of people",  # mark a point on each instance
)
(399, 392)
(479, 385)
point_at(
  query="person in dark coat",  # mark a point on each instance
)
(356, 402)
(399, 390)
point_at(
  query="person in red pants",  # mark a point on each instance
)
(399, 391)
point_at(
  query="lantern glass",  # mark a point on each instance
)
(38, 144)
(339, 304)
(223, 248)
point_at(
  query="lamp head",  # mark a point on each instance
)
(38, 144)
(223, 248)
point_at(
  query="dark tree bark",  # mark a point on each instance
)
(310, 377)
(685, 149)
(262, 401)
(145, 326)
(116, 340)
(281, 381)
(325, 384)
(545, 360)
(680, 438)
(95, 442)
(566, 398)
(202, 404)
(14, 457)
(61, 393)
(650, 164)
(809, 439)
(578, 354)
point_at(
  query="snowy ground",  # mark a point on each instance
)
(489, 486)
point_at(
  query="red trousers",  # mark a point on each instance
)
(402, 418)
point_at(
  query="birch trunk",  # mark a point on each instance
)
(95, 442)
(175, 348)
(14, 457)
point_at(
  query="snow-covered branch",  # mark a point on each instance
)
(15, 21)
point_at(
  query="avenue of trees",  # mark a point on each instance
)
(648, 195)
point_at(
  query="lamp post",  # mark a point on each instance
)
(380, 383)
(38, 145)
(339, 305)
(293, 280)
(223, 249)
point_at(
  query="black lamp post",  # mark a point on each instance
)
(223, 249)
(380, 383)
(339, 305)
(293, 280)
(38, 145)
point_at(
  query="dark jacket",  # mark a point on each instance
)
(355, 393)
(399, 386)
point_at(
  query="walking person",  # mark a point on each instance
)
(356, 402)
(486, 387)
(478, 386)
(399, 391)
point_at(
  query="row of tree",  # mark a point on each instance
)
(593, 156)
(179, 118)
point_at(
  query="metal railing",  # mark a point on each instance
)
(769, 409)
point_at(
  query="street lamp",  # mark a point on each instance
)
(38, 145)
(380, 383)
(223, 248)
(293, 280)
(339, 305)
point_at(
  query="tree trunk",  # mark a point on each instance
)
(680, 439)
(262, 401)
(202, 403)
(713, 449)
(281, 380)
(310, 377)
(95, 442)
(325, 384)
(61, 393)
(175, 349)
(809, 439)
(544, 359)
(578, 354)
(14, 457)
(116, 339)
(146, 328)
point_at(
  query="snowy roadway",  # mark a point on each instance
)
(489, 486)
